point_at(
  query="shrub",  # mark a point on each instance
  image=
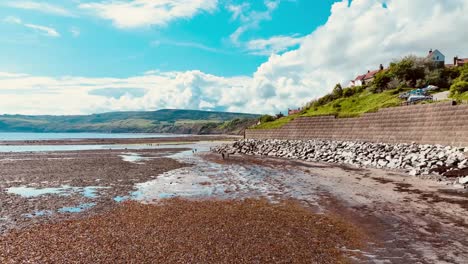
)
(337, 105)
(267, 118)
(348, 92)
(323, 100)
(459, 88)
(463, 76)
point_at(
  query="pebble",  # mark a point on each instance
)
(413, 158)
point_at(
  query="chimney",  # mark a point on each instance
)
(430, 51)
(381, 67)
(455, 61)
(368, 71)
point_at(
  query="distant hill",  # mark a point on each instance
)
(161, 121)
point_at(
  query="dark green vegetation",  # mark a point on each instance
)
(402, 76)
(162, 121)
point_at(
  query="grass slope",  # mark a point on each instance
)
(352, 106)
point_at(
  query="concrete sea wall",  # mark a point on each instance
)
(438, 123)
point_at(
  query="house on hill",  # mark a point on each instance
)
(459, 61)
(437, 57)
(294, 111)
(365, 78)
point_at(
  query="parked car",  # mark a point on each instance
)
(431, 88)
(418, 98)
(415, 92)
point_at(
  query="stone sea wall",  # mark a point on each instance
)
(438, 123)
(416, 159)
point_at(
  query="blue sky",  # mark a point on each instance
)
(264, 56)
(101, 49)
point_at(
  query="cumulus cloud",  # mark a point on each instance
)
(40, 7)
(141, 13)
(27, 94)
(356, 37)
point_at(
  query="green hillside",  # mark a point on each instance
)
(352, 106)
(383, 91)
(162, 121)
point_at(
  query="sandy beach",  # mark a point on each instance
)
(187, 206)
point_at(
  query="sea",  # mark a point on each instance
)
(7, 136)
(13, 136)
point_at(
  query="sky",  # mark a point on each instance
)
(263, 56)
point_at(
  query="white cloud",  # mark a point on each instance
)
(40, 7)
(354, 39)
(75, 32)
(187, 44)
(360, 37)
(46, 31)
(250, 19)
(12, 20)
(142, 13)
(273, 45)
(74, 95)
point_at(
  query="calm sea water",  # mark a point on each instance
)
(45, 136)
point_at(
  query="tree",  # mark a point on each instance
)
(410, 69)
(381, 81)
(337, 91)
(459, 88)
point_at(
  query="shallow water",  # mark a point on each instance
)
(77, 209)
(210, 179)
(30, 192)
(133, 157)
(39, 213)
(48, 148)
(11, 136)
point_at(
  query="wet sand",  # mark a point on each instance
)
(104, 169)
(408, 219)
(395, 218)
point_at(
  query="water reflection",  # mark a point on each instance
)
(64, 190)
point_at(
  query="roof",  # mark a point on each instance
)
(360, 77)
(432, 52)
(370, 74)
(367, 76)
(462, 61)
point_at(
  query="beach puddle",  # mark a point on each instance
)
(77, 209)
(65, 190)
(134, 158)
(39, 213)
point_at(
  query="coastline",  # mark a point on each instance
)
(120, 141)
